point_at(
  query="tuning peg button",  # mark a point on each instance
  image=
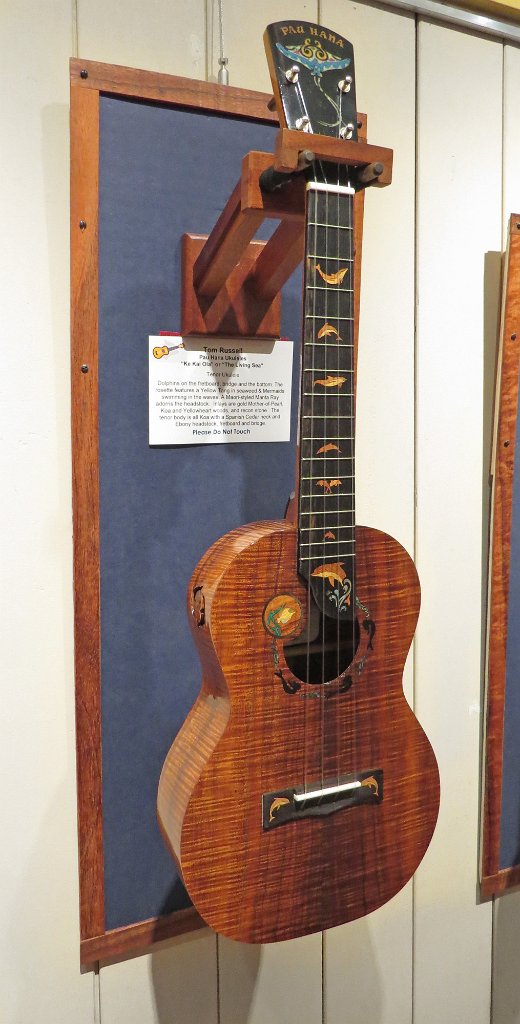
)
(347, 131)
(345, 83)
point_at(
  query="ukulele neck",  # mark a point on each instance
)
(326, 509)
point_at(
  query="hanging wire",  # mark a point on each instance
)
(223, 73)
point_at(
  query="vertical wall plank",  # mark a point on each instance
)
(39, 932)
(244, 26)
(176, 984)
(276, 983)
(459, 222)
(506, 932)
(156, 36)
(511, 135)
(506, 942)
(368, 964)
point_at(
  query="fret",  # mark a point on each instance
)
(326, 369)
(327, 512)
(344, 529)
(321, 316)
(329, 438)
(315, 558)
(311, 416)
(322, 256)
(331, 525)
(347, 476)
(324, 542)
(330, 227)
(323, 458)
(332, 289)
(331, 470)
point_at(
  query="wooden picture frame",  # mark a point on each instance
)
(91, 84)
(500, 870)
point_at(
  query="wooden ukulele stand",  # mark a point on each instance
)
(230, 284)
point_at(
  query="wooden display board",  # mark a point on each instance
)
(501, 817)
(153, 156)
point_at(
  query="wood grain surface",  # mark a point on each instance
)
(246, 736)
(494, 880)
(161, 88)
(85, 482)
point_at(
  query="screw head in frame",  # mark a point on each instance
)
(83, 73)
(84, 368)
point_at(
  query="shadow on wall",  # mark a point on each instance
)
(186, 984)
(506, 976)
(213, 980)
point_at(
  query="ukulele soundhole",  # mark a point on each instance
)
(325, 649)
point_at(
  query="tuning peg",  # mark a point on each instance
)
(303, 124)
(292, 74)
(347, 131)
(345, 83)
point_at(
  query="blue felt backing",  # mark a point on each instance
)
(163, 171)
(510, 814)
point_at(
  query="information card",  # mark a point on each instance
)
(205, 391)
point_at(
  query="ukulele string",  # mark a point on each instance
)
(326, 495)
(314, 442)
(309, 307)
(349, 531)
(312, 298)
(353, 452)
(338, 475)
(313, 210)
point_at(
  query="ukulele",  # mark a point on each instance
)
(301, 792)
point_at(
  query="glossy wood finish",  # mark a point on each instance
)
(235, 310)
(118, 942)
(290, 144)
(494, 880)
(150, 85)
(85, 479)
(246, 736)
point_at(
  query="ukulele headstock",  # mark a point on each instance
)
(312, 74)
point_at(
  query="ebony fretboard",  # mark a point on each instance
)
(327, 492)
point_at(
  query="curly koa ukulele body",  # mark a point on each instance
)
(301, 791)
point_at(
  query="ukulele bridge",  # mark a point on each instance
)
(317, 801)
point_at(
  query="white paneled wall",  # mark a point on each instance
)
(447, 101)
(40, 980)
(458, 222)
